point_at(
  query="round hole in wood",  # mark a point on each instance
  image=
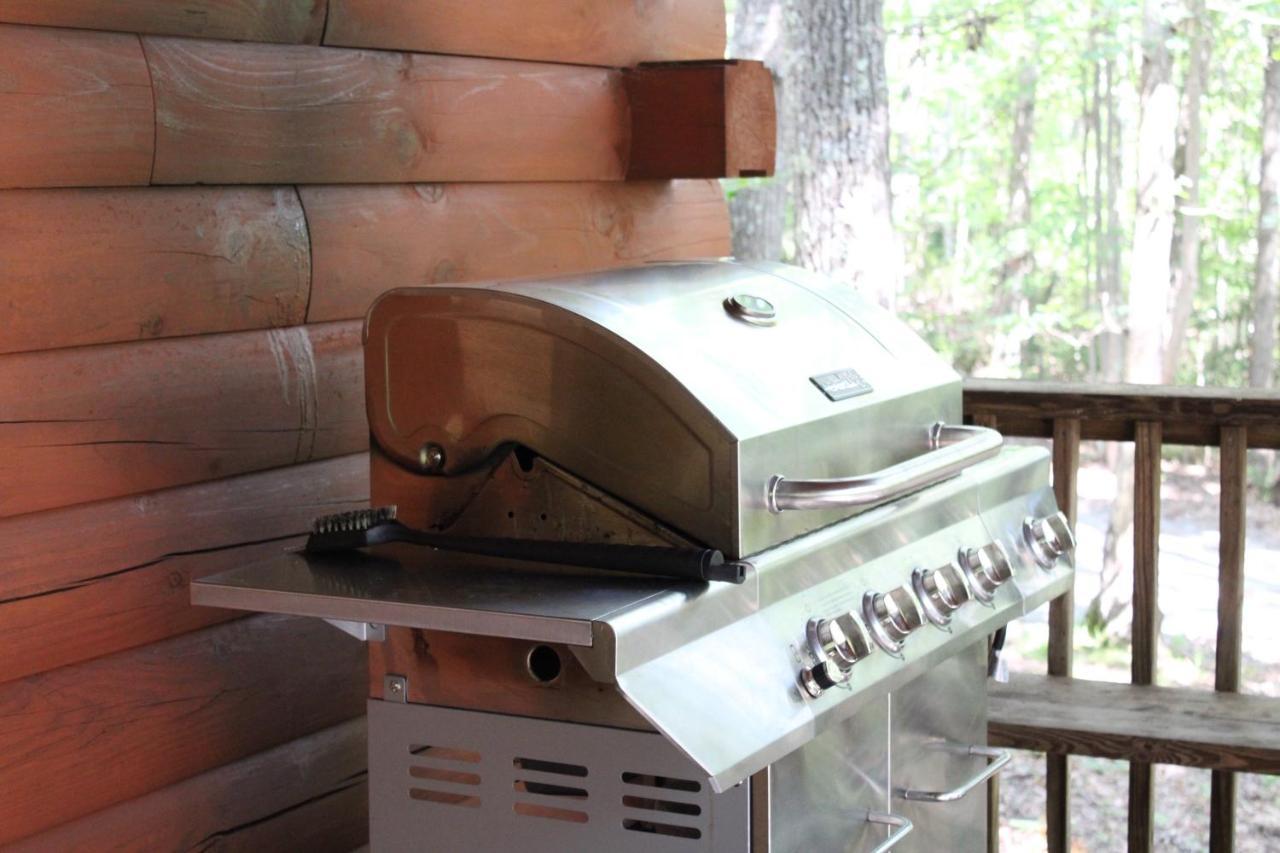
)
(543, 664)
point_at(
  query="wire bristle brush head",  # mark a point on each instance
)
(356, 519)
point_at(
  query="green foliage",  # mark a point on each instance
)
(953, 70)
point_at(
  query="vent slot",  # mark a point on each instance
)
(444, 798)
(444, 753)
(662, 805)
(654, 828)
(547, 790)
(554, 789)
(555, 767)
(549, 812)
(665, 782)
(448, 778)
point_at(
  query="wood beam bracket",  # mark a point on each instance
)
(709, 119)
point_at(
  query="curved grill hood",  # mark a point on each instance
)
(645, 383)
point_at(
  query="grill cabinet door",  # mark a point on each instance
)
(934, 721)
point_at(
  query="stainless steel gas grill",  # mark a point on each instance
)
(833, 700)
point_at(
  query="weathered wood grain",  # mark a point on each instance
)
(701, 120)
(595, 32)
(92, 423)
(309, 794)
(85, 737)
(1232, 501)
(1155, 725)
(96, 266)
(1066, 467)
(75, 109)
(1108, 412)
(300, 21)
(1146, 613)
(94, 579)
(245, 113)
(369, 239)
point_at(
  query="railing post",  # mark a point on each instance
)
(1233, 462)
(1146, 629)
(993, 785)
(1066, 467)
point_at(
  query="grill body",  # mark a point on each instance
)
(833, 701)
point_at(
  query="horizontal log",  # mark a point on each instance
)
(96, 266)
(246, 113)
(1109, 412)
(309, 794)
(75, 109)
(292, 21)
(122, 578)
(1156, 725)
(369, 239)
(592, 32)
(86, 737)
(92, 423)
(595, 32)
(703, 120)
(217, 112)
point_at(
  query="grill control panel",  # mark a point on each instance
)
(887, 619)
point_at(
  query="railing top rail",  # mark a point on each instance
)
(1108, 412)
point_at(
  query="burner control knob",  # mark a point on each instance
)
(892, 616)
(821, 676)
(1048, 538)
(841, 641)
(986, 567)
(942, 591)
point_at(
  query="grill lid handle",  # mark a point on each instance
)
(952, 449)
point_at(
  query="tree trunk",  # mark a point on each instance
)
(1267, 273)
(1012, 297)
(1187, 277)
(1149, 277)
(759, 209)
(837, 113)
(1153, 229)
(1111, 341)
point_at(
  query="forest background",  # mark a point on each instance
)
(1059, 191)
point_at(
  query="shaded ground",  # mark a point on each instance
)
(1188, 602)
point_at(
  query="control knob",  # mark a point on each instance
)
(891, 616)
(942, 591)
(987, 568)
(838, 644)
(1048, 538)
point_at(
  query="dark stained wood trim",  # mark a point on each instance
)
(1108, 412)
(1066, 465)
(1146, 614)
(1231, 545)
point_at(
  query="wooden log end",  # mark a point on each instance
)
(702, 120)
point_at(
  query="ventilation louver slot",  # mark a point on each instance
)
(446, 772)
(654, 794)
(548, 786)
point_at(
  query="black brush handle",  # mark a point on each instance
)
(702, 564)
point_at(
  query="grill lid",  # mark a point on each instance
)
(682, 389)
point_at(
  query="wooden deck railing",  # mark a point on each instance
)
(1146, 725)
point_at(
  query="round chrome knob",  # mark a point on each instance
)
(821, 676)
(986, 567)
(942, 591)
(1048, 538)
(891, 616)
(841, 640)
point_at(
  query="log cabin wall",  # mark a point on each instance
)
(198, 202)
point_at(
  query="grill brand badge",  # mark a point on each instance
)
(841, 384)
